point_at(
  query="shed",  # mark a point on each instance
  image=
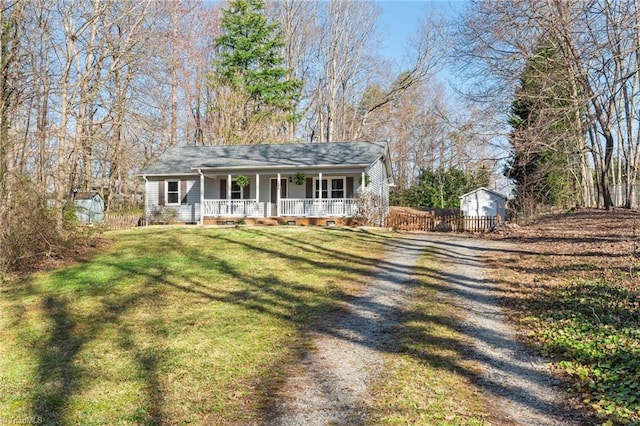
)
(89, 207)
(483, 202)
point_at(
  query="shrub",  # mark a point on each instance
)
(33, 231)
(163, 215)
(370, 208)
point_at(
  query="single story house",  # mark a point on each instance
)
(196, 184)
(483, 202)
(89, 206)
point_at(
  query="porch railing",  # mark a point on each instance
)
(305, 207)
(234, 208)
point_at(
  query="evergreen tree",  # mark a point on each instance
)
(543, 162)
(250, 76)
(441, 188)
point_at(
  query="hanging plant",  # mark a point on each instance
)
(367, 180)
(242, 181)
(299, 178)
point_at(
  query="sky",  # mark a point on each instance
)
(400, 19)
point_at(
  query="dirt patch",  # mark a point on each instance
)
(584, 244)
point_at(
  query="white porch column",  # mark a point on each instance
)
(201, 197)
(364, 181)
(320, 186)
(278, 189)
(146, 201)
(229, 194)
(258, 190)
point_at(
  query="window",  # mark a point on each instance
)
(173, 192)
(324, 189)
(236, 191)
(337, 188)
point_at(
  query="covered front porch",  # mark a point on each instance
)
(292, 195)
(287, 207)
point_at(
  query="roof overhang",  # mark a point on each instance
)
(482, 188)
(281, 167)
(143, 175)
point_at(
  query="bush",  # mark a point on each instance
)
(32, 231)
(370, 208)
(163, 215)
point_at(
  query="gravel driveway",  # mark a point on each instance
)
(348, 353)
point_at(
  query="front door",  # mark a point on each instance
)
(274, 194)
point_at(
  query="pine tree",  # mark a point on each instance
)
(250, 76)
(543, 139)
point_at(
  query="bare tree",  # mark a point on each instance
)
(598, 42)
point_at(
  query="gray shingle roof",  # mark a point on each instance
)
(186, 160)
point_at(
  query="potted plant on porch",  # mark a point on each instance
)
(242, 181)
(299, 178)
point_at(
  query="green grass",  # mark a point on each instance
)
(430, 380)
(592, 330)
(173, 325)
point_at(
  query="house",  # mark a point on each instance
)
(211, 184)
(483, 202)
(89, 206)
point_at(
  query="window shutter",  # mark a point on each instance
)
(349, 189)
(246, 192)
(223, 189)
(161, 193)
(183, 191)
(309, 188)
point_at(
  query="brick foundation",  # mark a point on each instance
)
(291, 221)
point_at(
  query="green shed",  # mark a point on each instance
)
(89, 207)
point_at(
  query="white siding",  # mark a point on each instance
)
(482, 203)
(378, 184)
(189, 212)
(297, 191)
(151, 197)
(211, 188)
(265, 182)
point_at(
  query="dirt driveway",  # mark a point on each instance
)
(332, 383)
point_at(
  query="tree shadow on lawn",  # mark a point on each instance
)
(59, 377)
(466, 294)
(374, 325)
(366, 329)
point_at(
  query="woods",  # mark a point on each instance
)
(92, 91)
(583, 109)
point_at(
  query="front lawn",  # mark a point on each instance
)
(173, 325)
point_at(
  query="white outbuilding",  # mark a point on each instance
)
(483, 202)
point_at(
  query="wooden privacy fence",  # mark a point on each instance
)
(123, 221)
(403, 221)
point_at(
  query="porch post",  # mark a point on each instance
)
(258, 191)
(229, 194)
(278, 189)
(146, 201)
(201, 197)
(320, 211)
(364, 181)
